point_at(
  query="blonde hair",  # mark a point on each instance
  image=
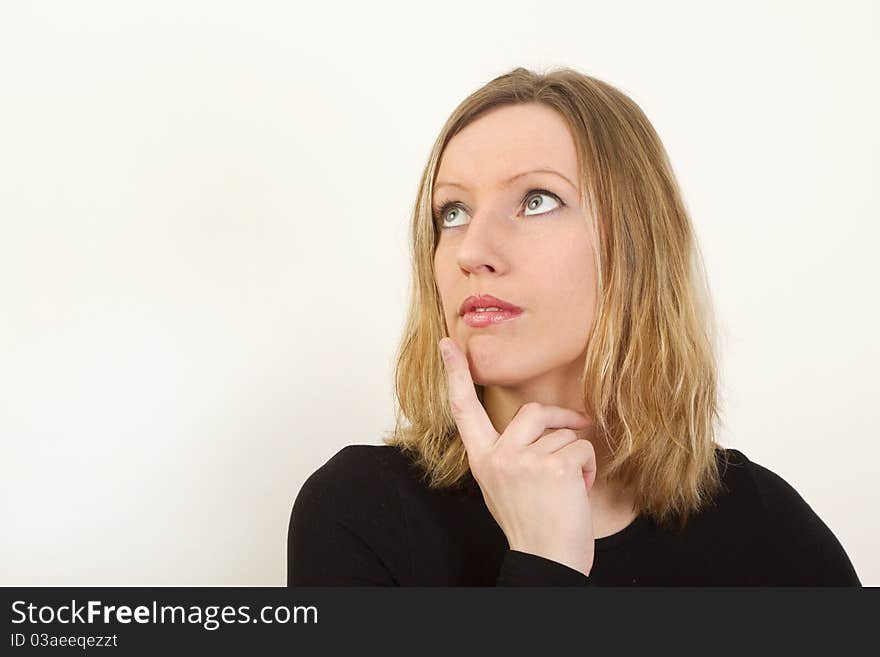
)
(650, 375)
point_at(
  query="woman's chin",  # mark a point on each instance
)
(495, 374)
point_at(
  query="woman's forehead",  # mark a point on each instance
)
(506, 143)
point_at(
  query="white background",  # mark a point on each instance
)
(204, 264)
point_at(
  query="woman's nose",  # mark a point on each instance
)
(483, 246)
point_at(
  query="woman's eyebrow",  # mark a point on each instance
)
(505, 183)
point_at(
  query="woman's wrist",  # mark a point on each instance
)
(581, 564)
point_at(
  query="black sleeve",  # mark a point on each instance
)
(345, 525)
(526, 569)
(809, 554)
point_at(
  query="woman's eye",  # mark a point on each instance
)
(531, 203)
(534, 205)
(446, 211)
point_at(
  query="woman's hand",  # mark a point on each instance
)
(535, 485)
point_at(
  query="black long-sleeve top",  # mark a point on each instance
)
(366, 518)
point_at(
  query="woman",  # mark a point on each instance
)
(568, 436)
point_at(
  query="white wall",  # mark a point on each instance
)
(202, 204)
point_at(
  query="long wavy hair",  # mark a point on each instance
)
(650, 372)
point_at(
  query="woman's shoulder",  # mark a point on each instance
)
(747, 482)
(355, 472)
(744, 475)
(360, 465)
(808, 549)
(348, 515)
(356, 487)
(357, 481)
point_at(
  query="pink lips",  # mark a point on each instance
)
(475, 319)
(488, 318)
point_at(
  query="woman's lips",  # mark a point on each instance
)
(489, 317)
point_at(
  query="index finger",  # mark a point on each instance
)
(476, 429)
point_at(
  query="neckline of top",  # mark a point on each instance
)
(623, 536)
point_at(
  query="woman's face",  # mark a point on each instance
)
(525, 240)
